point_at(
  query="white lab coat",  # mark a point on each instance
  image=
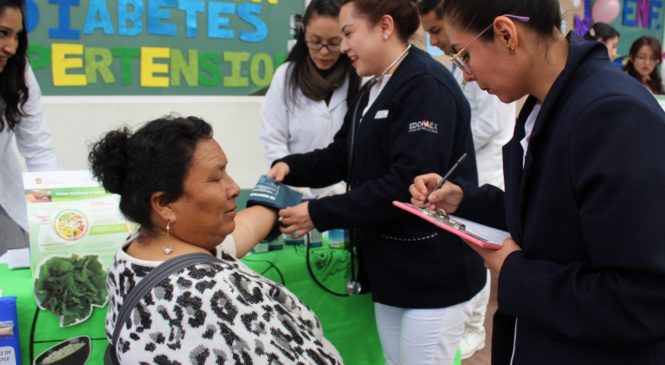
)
(300, 125)
(492, 124)
(33, 140)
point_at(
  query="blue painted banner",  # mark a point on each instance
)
(635, 18)
(638, 18)
(158, 47)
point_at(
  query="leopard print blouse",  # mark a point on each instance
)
(221, 313)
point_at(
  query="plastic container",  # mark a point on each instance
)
(261, 247)
(276, 244)
(290, 241)
(337, 238)
(315, 238)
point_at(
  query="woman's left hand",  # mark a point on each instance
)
(296, 219)
(494, 259)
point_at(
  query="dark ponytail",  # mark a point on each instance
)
(476, 15)
(601, 32)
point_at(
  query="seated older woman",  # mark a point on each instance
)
(172, 179)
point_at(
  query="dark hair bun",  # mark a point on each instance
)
(108, 159)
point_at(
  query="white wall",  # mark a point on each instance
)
(76, 121)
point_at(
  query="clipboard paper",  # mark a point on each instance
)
(476, 233)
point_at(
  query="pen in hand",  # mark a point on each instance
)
(445, 177)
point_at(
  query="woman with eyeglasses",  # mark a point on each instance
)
(645, 56)
(21, 121)
(582, 278)
(492, 124)
(310, 93)
(410, 118)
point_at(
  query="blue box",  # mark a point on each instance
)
(10, 348)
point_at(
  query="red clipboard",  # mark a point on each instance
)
(476, 233)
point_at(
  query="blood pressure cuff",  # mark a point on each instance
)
(269, 193)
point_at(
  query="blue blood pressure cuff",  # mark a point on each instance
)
(269, 193)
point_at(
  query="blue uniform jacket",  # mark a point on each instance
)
(419, 123)
(588, 286)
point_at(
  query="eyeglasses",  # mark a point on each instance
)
(645, 59)
(462, 62)
(317, 46)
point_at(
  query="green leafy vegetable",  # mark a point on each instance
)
(70, 286)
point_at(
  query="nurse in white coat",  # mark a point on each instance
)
(309, 94)
(21, 118)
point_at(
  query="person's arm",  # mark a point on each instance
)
(274, 117)
(618, 294)
(258, 221)
(483, 204)
(252, 225)
(33, 138)
(411, 152)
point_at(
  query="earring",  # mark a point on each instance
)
(168, 249)
(385, 36)
(511, 50)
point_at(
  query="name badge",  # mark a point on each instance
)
(381, 114)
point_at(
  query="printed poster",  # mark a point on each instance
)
(75, 228)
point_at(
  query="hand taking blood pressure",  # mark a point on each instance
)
(279, 171)
(296, 220)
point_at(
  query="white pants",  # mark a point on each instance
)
(421, 336)
(477, 319)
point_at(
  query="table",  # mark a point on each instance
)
(348, 322)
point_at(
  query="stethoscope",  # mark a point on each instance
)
(353, 286)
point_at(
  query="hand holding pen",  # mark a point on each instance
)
(445, 177)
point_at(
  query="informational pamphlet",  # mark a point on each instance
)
(75, 228)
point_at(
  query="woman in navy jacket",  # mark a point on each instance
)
(582, 281)
(412, 118)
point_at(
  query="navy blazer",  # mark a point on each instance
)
(419, 123)
(588, 286)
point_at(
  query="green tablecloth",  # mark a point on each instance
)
(348, 322)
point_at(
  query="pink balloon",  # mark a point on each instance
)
(605, 11)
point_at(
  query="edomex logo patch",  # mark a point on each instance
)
(424, 125)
